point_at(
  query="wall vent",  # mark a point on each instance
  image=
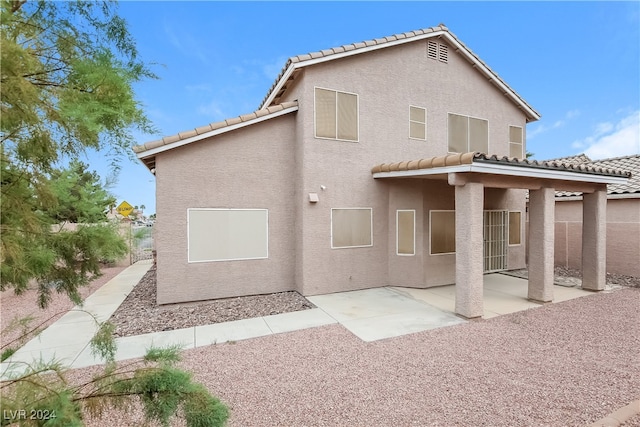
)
(432, 49)
(443, 53)
(437, 51)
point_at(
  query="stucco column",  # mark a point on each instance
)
(541, 236)
(469, 227)
(594, 240)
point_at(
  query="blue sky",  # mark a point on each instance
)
(576, 63)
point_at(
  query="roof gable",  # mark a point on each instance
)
(296, 63)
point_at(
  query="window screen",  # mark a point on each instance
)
(514, 228)
(406, 233)
(468, 134)
(417, 123)
(326, 113)
(516, 142)
(351, 228)
(227, 234)
(336, 115)
(442, 232)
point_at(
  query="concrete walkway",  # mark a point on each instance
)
(370, 314)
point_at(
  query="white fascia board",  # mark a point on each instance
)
(609, 197)
(154, 151)
(546, 173)
(624, 196)
(278, 86)
(497, 169)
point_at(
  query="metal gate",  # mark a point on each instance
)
(496, 233)
(141, 243)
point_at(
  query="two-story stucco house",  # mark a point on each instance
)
(364, 167)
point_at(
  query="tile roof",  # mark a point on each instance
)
(220, 127)
(475, 157)
(354, 48)
(627, 163)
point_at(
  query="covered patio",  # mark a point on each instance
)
(471, 173)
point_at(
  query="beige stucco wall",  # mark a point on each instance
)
(248, 168)
(277, 163)
(387, 82)
(623, 235)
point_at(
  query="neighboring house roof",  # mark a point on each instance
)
(147, 152)
(295, 63)
(480, 162)
(626, 163)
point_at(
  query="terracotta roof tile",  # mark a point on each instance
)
(187, 134)
(170, 139)
(204, 129)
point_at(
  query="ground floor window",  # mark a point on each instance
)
(442, 232)
(406, 232)
(227, 234)
(351, 227)
(515, 221)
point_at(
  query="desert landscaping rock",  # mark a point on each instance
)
(139, 313)
(559, 365)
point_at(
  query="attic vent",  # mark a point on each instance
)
(443, 53)
(432, 49)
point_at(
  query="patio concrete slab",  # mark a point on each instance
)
(287, 322)
(379, 313)
(398, 324)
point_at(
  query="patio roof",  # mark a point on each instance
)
(483, 163)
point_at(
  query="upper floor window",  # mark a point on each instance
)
(468, 134)
(417, 123)
(516, 146)
(336, 115)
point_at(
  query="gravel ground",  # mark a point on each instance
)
(565, 364)
(566, 276)
(139, 313)
(20, 306)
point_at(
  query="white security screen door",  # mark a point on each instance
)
(496, 239)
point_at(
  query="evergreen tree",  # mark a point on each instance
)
(66, 76)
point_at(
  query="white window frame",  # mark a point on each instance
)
(315, 128)
(225, 259)
(469, 117)
(509, 227)
(398, 232)
(351, 247)
(413, 121)
(516, 143)
(430, 212)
